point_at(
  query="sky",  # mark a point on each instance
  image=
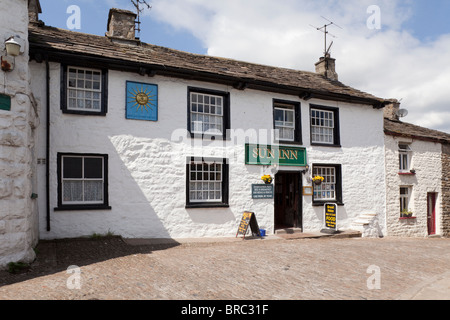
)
(390, 48)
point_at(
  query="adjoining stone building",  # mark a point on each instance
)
(417, 178)
(18, 122)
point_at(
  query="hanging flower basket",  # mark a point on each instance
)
(267, 179)
(317, 180)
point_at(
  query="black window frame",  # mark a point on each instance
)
(298, 139)
(226, 125)
(338, 186)
(336, 131)
(64, 90)
(103, 206)
(225, 184)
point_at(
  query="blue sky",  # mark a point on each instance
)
(94, 16)
(405, 58)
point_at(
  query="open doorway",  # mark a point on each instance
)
(288, 200)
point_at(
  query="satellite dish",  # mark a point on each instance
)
(402, 113)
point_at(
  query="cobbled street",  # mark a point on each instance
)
(269, 269)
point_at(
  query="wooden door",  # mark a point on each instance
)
(288, 200)
(431, 215)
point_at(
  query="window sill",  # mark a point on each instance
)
(208, 137)
(406, 173)
(298, 143)
(321, 204)
(82, 207)
(325, 145)
(206, 205)
(84, 113)
(407, 218)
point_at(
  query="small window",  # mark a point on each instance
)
(330, 189)
(84, 90)
(404, 157)
(207, 182)
(405, 196)
(208, 112)
(327, 189)
(324, 126)
(287, 122)
(82, 181)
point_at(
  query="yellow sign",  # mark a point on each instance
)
(331, 215)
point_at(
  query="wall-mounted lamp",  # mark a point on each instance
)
(12, 47)
(12, 51)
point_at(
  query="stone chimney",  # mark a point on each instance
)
(327, 67)
(34, 8)
(121, 26)
(391, 110)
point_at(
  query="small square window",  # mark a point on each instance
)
(84, 91)
(324, 122)
(82, 182)
(330, 189)
(207, 183)
(208, 112)
(286, 121)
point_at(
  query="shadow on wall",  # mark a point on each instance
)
(136, 189)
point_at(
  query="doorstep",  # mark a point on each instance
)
(318, 235)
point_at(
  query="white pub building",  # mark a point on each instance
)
(150, 142)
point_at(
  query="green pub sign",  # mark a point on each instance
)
(270, 155)
(5, 102)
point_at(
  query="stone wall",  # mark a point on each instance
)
(426, 160)
(445, 219)
(18, 218)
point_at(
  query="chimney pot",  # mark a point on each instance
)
(327, 67)
(34, 8)
(121, 25)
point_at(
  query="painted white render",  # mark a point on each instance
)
(426, 160)
(147, 161)
(18, 216)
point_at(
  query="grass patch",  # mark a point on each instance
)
(18, 267)
(99, 236)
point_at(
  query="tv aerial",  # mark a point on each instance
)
(137, 4)
(326, 33)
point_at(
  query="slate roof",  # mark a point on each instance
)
(161, 60)
(403, 129)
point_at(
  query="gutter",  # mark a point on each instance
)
(47, 138)
(237, 82)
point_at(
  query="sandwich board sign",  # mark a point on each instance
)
(248, 219)
(330, 218)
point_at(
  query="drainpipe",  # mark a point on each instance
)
(47, 162)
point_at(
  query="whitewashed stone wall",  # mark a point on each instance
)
(18, 217)
(426, 160)
(147, 162)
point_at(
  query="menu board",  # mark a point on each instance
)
(331, 216)
(248, 219)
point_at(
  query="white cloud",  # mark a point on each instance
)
(389, 63)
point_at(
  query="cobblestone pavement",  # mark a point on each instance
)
(237, 269)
